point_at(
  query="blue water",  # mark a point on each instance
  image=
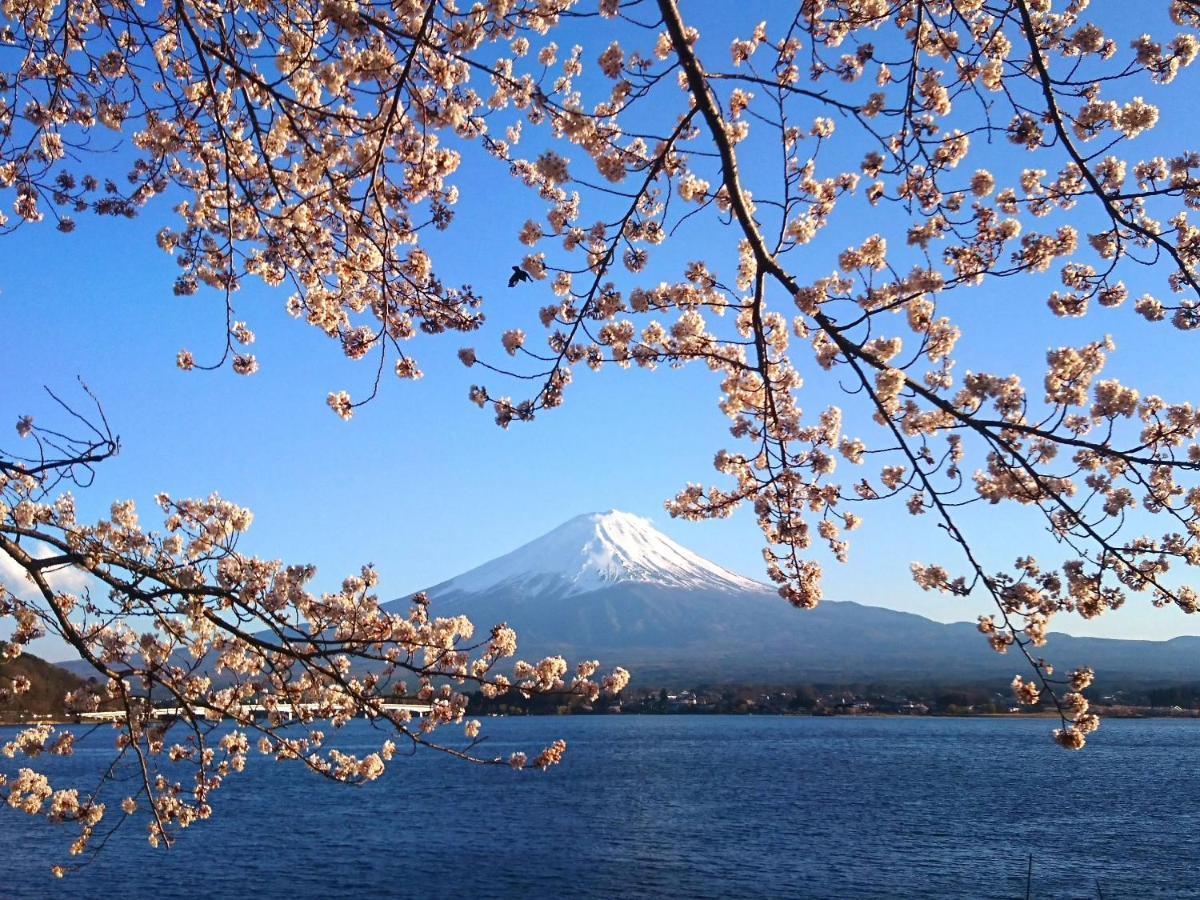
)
(684, 806)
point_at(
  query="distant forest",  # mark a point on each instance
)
(844, 699)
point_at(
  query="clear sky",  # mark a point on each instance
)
(421, 482)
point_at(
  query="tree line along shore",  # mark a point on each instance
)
(49, 685)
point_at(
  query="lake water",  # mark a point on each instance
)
(683, 806)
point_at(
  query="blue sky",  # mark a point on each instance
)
(421, 482)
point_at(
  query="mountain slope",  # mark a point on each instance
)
(610, 586)
(50, 685)
(595, 551)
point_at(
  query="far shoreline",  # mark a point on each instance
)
(6, 722)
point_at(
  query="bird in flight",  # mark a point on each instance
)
(517, 276)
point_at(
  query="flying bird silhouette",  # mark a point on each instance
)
(517, 276)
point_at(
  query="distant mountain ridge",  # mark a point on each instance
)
(611, 586)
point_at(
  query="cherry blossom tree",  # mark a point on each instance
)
(180, 620)
(315, 146)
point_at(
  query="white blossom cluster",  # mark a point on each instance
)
(180, 618)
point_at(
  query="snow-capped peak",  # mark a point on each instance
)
(598, 550)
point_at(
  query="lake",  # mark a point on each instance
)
(682, 806)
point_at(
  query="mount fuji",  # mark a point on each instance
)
(597, 551)
(613, 587)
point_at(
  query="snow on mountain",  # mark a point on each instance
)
(600, 550)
